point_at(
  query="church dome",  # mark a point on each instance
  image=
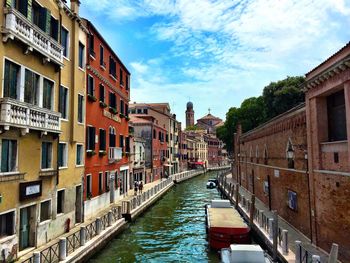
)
(189, 105)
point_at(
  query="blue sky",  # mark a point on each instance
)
(217, 52)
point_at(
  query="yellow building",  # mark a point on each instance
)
(42, 101)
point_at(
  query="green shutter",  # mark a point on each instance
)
(4, 155)
(48, 21)
(9, 3)
(29, 12)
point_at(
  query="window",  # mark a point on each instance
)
(31, 87)
(139, 111)
(80, 108)
(46, 155)
(290, 154)
(112, 67)
(106, 181)
(336, 117)
(60, 201)
(112, 137)
(47, 94)
(112, 100)
(102, 63)
(79, 160)
(36, 10)
(102, 140)
(154, 134)
(159, 136)
(90, 138)
(11, 79)
(126, 82)
(102, 93)
(81, 55)
(292, 200)
(88, 186)
(145, 111)
(91, 45)
(90, 84)
(8, 155)
(7, 224)
(126, 109)
(62, 154)
(122, 107)
(63, 102)
(121, 141)
(127, 144)
(65, 41)
(54, 28)
(45, 213)
(121, 77)
(100, 182)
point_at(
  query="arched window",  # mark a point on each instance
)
(265, 154)
(111, 136)
(290, 154)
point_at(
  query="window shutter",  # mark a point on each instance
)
(4, 155)
(54, 28)
(9, 3)
(29, 10)
(48, 21)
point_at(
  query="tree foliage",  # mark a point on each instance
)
(277, 98)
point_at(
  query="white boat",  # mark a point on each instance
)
(244, 254)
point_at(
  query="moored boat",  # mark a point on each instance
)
(244, 254)
(225, 226)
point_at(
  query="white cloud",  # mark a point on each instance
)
(229, 48)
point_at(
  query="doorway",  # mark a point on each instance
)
(27, 227)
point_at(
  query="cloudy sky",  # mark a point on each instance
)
(217, 52)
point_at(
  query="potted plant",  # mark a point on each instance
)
(90, 153)
(91, 98)
(121, 115)
(102, 153)
(103, 104)
(113, 110)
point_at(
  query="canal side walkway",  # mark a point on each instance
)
(288, 251)
(85, 239)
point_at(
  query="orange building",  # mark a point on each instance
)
(107, 139)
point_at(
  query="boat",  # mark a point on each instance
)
(212, 183)
(244, 254)
(225, 226)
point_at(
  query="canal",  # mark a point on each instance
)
(173, 230)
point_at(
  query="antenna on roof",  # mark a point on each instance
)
(209, 110)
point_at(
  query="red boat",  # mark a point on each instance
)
(225, 226)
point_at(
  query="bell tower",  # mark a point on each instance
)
(189, 114)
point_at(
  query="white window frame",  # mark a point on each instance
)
(21, 79)
(93, 84)
(2, 239)
(65, 156)
(67, 103)
(16, 170)
(83, 59)
(82, 155)
(50, 211)
(51, 168)
(83, 109)
(68, 44)
(64, 199)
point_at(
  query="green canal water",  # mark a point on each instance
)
(173, 230)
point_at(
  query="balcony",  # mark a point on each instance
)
(115, 154)
(27, 116)
(18, 26)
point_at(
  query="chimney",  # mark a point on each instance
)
(74, 6)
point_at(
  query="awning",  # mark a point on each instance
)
(199, 163)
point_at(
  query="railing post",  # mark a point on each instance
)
(110, 218)
(237, 193)
(252, 207)
(285, 249)
(297, 251)
(333, 257)
(36, 258)
(98, 225)
(82, 236)
(62, 248)
(316, 259)
(271, 228)
(275, 235)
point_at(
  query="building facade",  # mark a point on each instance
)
(42, 136)
(107, 139)
(328, 129)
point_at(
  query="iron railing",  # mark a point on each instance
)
(73, 242)
(50, 254)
